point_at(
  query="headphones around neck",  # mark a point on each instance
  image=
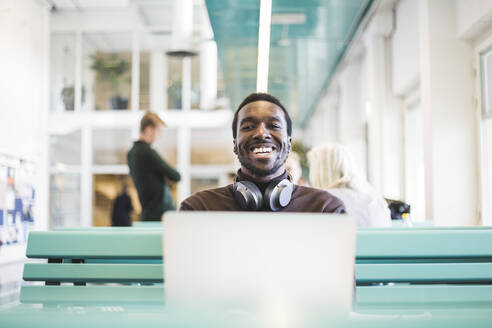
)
(276, 196)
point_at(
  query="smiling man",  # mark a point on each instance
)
(261, 131)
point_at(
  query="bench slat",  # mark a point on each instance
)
(424, 243)
(424, 272)
(95, 244)
(67, 272)
(424, 294)
(92, 294)
(366, 295)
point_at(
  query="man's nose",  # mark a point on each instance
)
(262, 131)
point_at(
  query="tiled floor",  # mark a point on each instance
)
(10, 282)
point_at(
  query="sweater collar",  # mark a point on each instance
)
(141, 142)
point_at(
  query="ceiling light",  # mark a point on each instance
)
(288, 18)
(263, 46)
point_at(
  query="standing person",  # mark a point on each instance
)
(149, 172)
(122, 208)
(332, 168)
(261, 131)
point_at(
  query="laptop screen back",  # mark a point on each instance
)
(288, 263)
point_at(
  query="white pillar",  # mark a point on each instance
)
(186, 85)
(158, 81)
(78, 72)
(182, 26)
(446, 79)
(135, 88)
(208, 74)
(184, 148)
(184, 133)
(383, 115)
(43, 194)
(352, 114)
(86, 177)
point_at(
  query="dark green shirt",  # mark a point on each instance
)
(148, 171)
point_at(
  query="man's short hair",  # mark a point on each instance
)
(257, 96)
(150, 119)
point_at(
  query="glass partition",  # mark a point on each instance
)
(62, 77)
(106, 70)
(486, 129)
(65, 149)
(166, 146)
(110, 146)
(65, 199)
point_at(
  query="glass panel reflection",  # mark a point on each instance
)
(65, 149)
(65, 199)
(106, 71)
(110, 146)
(62, 63)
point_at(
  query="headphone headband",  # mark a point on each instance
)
(276, 196)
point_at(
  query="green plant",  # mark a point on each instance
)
(68, 96)
(302, 150)
(110, 68)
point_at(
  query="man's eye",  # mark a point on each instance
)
(276, 126)
(246, 127)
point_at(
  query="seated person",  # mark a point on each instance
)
(293, 166)
(332, 168)
(261, 131)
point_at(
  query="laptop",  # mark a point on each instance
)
(279, 267)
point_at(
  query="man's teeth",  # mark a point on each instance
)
(262, 150)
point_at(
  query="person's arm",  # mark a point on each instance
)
(164, 169)
(340, 209)
(335, 205)
(130, 205)
(185, 207)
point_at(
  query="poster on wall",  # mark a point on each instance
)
(17, 201)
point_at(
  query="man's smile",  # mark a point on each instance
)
(262, 151)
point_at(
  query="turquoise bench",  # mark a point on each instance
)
(147, 224)
(132, 259)
(393, 266)
(424, 265)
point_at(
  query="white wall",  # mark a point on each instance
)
(24, 39)
(447, 91)
(352, 116)
(472, 16)
(23, 64)
(405, 48)
(419, 53)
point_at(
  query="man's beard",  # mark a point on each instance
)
(248, 164)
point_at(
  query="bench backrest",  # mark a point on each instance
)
(424, 255)
(95, 256)
(427, 264)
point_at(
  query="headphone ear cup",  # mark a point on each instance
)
(247, 195)
(278, 195)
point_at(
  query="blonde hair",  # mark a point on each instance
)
(332, 166)
(150, 119)
(293, 166)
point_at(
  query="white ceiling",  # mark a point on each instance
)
(154, 17)
(88, 4)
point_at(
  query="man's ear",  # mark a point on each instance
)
(148, 129)
(234, 149)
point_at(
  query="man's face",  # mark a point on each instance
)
(262, 144)
(155, 133)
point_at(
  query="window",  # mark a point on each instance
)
(486, 129)
(106, 70)
(62, 93)
(414, 162)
